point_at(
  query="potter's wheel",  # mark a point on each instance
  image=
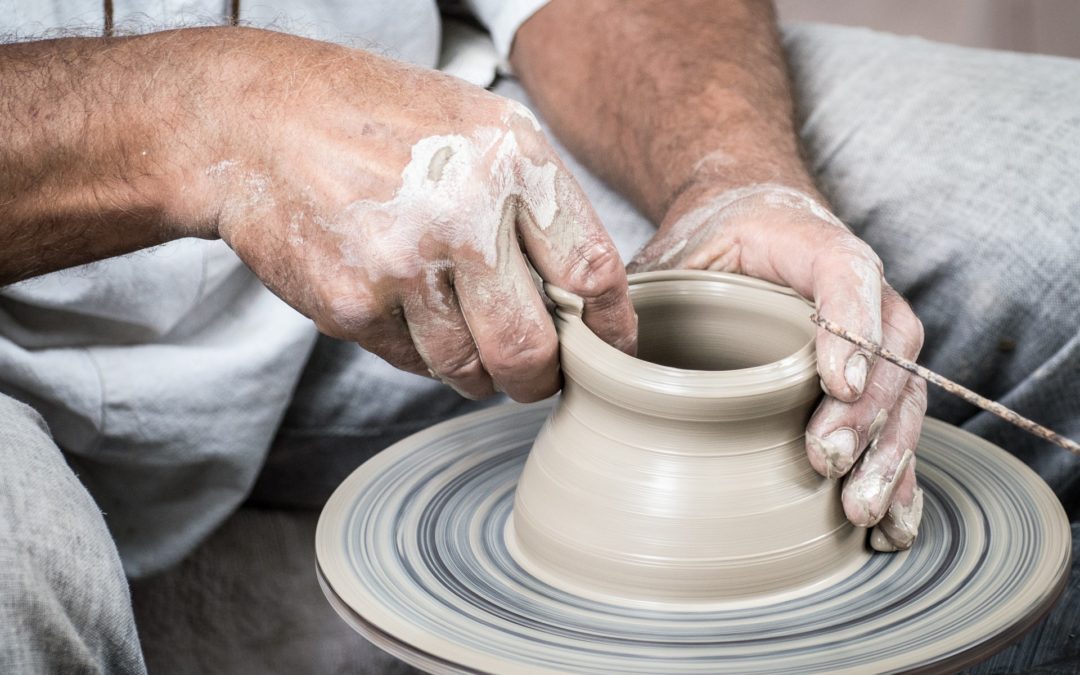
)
(411, 552)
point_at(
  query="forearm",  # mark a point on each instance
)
(96, 135)
(662, 99)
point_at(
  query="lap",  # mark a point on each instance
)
(64, 604)
(349, 405)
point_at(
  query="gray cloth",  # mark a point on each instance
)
(64, 603)
(957, 165)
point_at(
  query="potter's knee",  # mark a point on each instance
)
(20, 421)
(64, 601)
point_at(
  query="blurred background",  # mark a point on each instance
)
(1043, 26)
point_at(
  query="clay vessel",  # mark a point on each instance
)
(680, 476)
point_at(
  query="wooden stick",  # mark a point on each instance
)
(952, 387)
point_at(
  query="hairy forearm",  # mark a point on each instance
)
(96, 138)
(663, 98)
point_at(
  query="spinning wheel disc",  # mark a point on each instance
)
(411, 552)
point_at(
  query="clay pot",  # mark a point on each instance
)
(681, 476)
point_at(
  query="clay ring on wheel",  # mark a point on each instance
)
(668, 521)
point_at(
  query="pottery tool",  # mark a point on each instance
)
(953, 388)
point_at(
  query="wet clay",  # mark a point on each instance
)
(681, 476)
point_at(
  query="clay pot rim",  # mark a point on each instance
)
(606, 362)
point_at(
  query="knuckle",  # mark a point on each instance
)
(516, 109)
(844, 244)
(915, 332)
(511, 112)
(904, 322)
(465, 366)
(525, 353)
(915, 400)
(352, 314)
(595, 269)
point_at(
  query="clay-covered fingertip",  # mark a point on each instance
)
(880, 542)
(838, 449)
(855, 372)
(836, 387)
(815, 452)
(858, 513)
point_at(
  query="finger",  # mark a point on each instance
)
(839, 431)
(900, 526)
(348, 310)
(870, 489)
(570, 249)
(389, 339)
(442, 337)
(512, 331)
(844, 279)
(848, 291)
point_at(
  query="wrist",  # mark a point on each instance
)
(191, 114)
(708, 191)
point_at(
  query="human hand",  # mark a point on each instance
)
(868, 425)
(397, 207)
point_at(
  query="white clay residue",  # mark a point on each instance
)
(899, 529)
(453, 191)
(249, 190)
(520, 111)
(694, 228)
(716, 158)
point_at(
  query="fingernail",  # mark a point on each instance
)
(839, 450)
(900, 528)
(879, 542)
(869, 494)
(855, 372)
(890, 487)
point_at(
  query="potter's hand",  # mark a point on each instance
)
(396, 207)
(787, 237)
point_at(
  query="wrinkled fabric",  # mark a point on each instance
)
(164, 374)
(959, 167)
(64, 602)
